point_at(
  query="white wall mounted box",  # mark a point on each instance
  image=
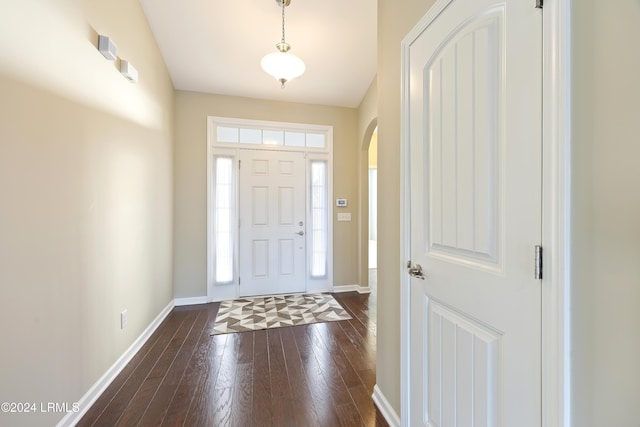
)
(341, 203)
(107, 48)
(127, 70)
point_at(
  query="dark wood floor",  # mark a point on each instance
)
(314, 375)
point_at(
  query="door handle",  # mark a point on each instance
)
(299, 233)
(416, 271)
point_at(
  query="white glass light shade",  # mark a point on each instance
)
(283, 66)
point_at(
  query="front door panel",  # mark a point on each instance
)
(272, 229)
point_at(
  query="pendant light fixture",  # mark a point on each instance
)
(282, 64)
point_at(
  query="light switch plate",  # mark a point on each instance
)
(344, 216)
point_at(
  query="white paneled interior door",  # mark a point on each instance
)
(473, 90)
(272, 222)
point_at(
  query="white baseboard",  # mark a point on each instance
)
(190, 301)
(385, 407)
(352, 288)
(90, 397)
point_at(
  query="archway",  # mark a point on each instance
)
(369, 208)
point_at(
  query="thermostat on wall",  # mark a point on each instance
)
(341, 203)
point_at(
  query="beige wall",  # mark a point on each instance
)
(192, 109)
(606, 213)
(395, 20)
(86, 196)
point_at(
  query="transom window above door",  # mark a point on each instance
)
(232, 132)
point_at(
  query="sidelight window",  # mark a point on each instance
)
(223, 219)
(319, 219)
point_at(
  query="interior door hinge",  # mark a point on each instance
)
(539, 4)
(538, 272)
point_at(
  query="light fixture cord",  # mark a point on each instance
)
(283, 6)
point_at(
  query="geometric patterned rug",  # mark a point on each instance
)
(250, 314)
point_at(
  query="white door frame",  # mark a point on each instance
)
(556, 169)
(222, 292)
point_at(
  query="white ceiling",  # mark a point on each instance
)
(215, 46)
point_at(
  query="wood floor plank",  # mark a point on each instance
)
(364, 404)
(277, 367)
(353, 304)
(229, 362)
(245, 348)
(341, 361)
(158, 407)
(364, 345)
(242, 404)
(358, 358)
(202, 410)
(302, 397)
(364, 318)
(149, 387)
(283, 410)
(192, 378)
(110, 406)
(354, 352)
(222, 400)
(319, 375)
(242, 399)
(318, 387)
(337, 389)
(261, 411)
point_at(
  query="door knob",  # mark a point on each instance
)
(416, 271)
(299, 233)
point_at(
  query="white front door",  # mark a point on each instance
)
(272, 222)
(473, 83)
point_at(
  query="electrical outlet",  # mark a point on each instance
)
(123, 319)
